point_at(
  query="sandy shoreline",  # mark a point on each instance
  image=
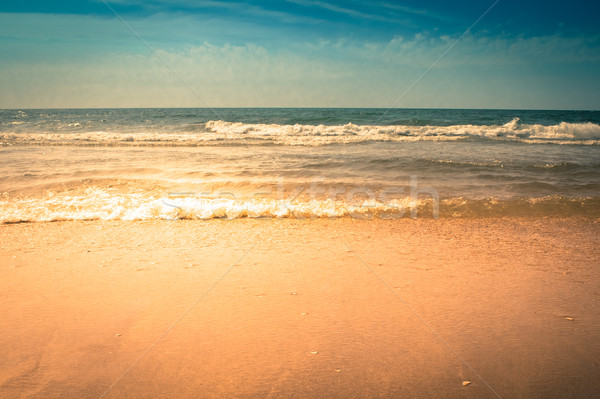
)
(289, 308)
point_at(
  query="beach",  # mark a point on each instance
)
(455, 307)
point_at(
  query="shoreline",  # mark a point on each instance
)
(206, 308)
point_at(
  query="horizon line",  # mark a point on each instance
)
(310, 107)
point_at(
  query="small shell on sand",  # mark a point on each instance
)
(293, 293)
(338, 370)
(569, 318)
(314, 352)
(465, 383)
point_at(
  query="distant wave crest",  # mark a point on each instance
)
(220, 132)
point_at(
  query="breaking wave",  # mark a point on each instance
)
(238, 133)
(101, 204)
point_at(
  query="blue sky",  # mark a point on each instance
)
(353, 53)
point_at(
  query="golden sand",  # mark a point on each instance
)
(289, 308)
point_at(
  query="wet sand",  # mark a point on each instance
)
(306, 309)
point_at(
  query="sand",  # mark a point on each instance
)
(301, 308)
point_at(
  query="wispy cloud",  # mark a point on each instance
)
(235, 7)
(343, 10)
(417, 11)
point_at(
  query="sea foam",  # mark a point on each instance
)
(101, 204)
(218, 132)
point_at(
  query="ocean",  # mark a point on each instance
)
(137, 164)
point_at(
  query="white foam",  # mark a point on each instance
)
(100, 204)
(221, 132)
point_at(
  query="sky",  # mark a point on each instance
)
(300, 53)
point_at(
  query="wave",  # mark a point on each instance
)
(102, 204)
(237, 133)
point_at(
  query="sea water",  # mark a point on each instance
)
(87, 164)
